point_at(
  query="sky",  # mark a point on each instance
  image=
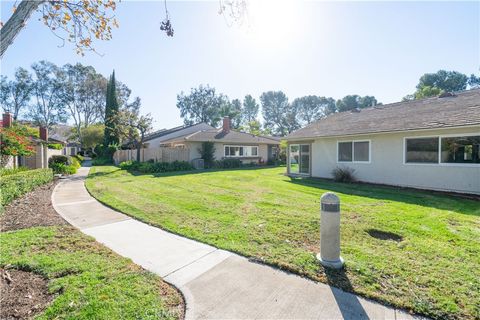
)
(302, 48)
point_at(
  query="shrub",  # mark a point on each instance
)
(58, 159)
(60, 168)
(227, 163)
(157, 167)
(101, 161)
(15, 185)
(207, 152)
(343, 174)
(7, 172)
(79, 157)
(75, 162)
(55, 146)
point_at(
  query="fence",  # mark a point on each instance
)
(161, 154)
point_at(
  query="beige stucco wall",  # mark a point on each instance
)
(387, 163)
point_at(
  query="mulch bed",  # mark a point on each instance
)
(22, 294)
(34, 209)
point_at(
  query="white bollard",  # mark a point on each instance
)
(329, 255)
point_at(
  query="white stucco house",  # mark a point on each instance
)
(429, 144)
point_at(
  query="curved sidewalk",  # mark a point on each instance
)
(217, 284)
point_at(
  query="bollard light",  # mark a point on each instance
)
(329, 255)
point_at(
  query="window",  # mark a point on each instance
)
(241, 151)
(421, 150)
(345, 151)
(460, 149)
(354, 151)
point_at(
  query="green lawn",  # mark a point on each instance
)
(91, 281)
(260, 213)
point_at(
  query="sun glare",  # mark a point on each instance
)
(271, 22)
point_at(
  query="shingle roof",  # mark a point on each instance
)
(217, 135)
(462, 109)
(164, 132)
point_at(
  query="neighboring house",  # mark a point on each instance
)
(228, 143)
(155, 139)
(42, 152)
(431, 144)
(62, 134)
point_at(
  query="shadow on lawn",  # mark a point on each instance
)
(348, 303)
(456, 203)
(198, 171)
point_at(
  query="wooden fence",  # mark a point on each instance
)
(161, 154)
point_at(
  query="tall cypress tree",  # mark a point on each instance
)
(111, 109)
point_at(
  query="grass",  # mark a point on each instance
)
(428, 262)
(91, 281)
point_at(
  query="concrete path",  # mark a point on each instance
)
(217, 284)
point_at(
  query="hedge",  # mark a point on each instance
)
(156, 167)
(14, 185)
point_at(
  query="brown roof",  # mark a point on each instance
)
(461, 109)
(217, 135)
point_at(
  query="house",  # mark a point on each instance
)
(432, 143)
(155, 139)
(228, 143)
(42, 153)
(62, 133)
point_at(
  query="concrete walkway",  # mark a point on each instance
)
(217, 284)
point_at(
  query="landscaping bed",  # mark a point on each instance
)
(415, 250)
(50, 270)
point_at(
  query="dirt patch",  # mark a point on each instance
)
(33, 209)
(22, 294)
(384, 235)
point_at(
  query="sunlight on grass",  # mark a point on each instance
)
(260, 213)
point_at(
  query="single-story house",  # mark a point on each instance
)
(431, 143)
(155, 139)
(228, 143)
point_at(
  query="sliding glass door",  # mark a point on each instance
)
(299, 159)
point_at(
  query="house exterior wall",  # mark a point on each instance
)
(155, 143)
(387, 165)
(219, 151)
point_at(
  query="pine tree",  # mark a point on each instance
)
(111, 109)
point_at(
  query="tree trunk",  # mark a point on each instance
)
(16, 23)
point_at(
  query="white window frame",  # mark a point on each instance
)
(240, 146)
(353, 151)
(439, 163)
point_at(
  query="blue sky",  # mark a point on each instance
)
(322, 48)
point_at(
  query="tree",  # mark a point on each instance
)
(448, 81)
(249, 110)
(233, 110)
(15, 95)
(474, 81)
(133, 126)
(203, 104)
(85, 94)
(352, 102)
(111, 112)
(279, 115)
(79, 21)
(207, 152)
(92, 135)
(49, 106)
(15, 142)
(427, 91)
(312, 108)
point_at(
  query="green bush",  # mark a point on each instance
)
(58, 159)
(7, 172)
(101, 161)
(15, 185)
(207, 152)
(56, 146)
(79, 157)
(60, 168)
(157, 167)
(75, 162)
(227, 163)
(343, 174)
